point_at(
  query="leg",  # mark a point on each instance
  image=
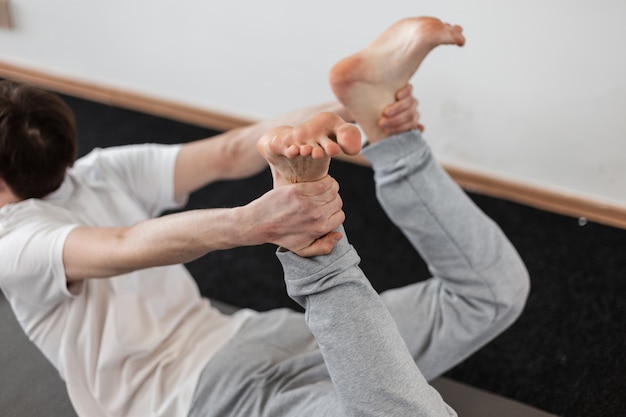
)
(367, 359)
(282, 372)
(480, 283)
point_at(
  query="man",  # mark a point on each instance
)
(101, 291)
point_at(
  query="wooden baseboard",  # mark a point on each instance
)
(517, 191)
(555, 201)
(585, 208)
(121, 98)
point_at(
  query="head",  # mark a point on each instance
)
(37, 140)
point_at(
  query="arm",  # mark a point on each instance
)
(294, 217)
(233, 154)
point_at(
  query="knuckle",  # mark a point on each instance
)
(290, 191)
(317, 214)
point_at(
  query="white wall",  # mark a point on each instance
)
(538, 94)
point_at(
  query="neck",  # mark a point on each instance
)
(6, 195)
(5, 201)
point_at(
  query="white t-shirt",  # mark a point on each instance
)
(132, 345)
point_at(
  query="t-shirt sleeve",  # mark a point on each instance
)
(146, 171)
(34, 272)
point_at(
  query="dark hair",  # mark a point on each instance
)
(37, 140)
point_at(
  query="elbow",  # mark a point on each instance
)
(122, 255)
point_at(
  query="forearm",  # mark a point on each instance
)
(180, 238)
(293, 216)
(241, 157)
(172, 239)
(233, 154)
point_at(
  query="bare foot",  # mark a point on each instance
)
(366, 82)
(302, 153)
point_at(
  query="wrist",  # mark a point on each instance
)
(249, 230)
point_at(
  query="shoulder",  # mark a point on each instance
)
(30, 212)
(32, 234)
(128, 162)
(32, 223)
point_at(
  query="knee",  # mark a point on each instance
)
(512, 294)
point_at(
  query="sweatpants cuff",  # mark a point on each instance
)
(396, 149)
(307, 276)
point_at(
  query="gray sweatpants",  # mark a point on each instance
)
(355, 353)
